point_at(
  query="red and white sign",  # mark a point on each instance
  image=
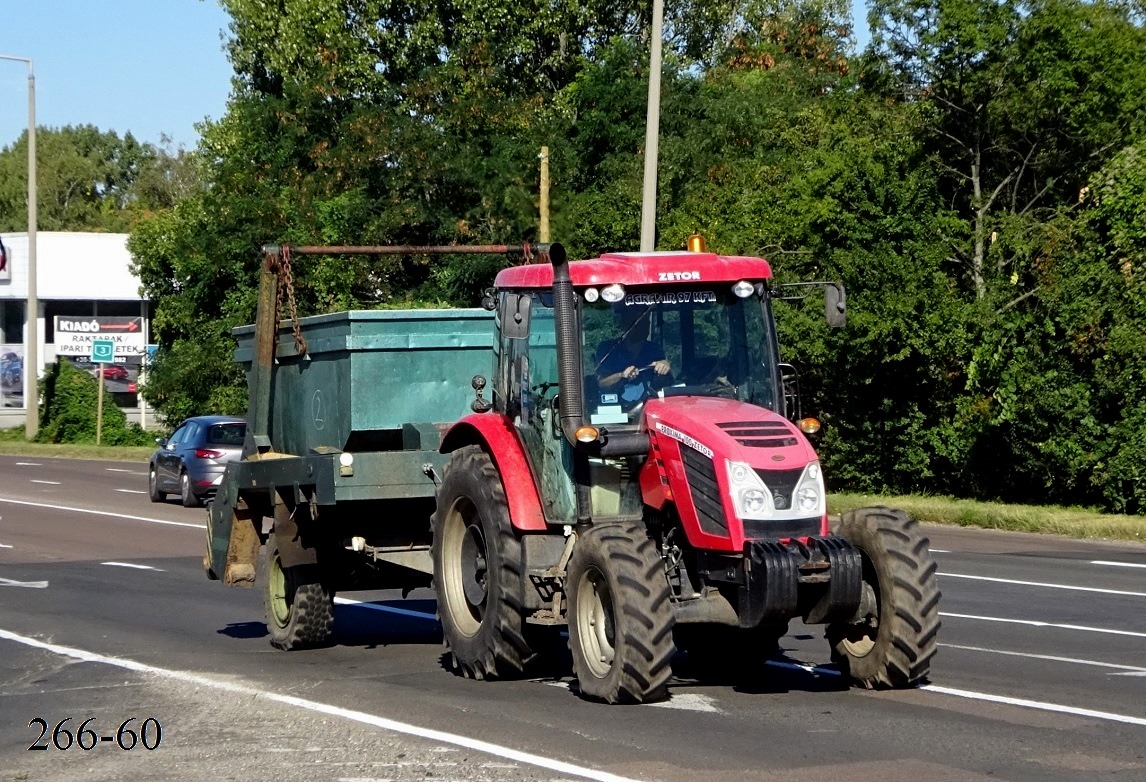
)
(75, 334)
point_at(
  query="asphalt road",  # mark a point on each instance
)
(105, 613)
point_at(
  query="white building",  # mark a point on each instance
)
(79, 275)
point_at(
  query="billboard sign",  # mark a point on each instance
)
(75, 335)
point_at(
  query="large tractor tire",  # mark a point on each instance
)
(299, 606)
(891, 644)
(478, 565)
(620, 619)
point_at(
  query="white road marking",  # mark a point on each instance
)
(388, 609)
(1035, 623)
(1040, 705)
(132, 491)
(808, 668)
(122, 469)
(29, 584)
(1044, 585)
(1109, 563)
(5, 545)
(477, 745)
(939, 551)
(50, 483)
(1131, 670)
(28, 464)
(104, 513)
(132, 565)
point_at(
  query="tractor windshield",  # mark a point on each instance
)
(663, 342)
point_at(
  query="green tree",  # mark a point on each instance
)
(90, 180)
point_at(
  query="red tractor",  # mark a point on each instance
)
(640, 473)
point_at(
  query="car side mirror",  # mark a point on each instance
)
(161, 442)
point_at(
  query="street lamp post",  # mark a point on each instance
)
(652, 134)
(32, 315)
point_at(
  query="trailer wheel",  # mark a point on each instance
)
(620, 622)
(893, 638)
(299, 607)
(478, 563)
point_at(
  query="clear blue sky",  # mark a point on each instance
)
(150, 67)
(145, 66)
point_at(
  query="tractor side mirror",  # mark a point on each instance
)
(835, 305)
(515, 316)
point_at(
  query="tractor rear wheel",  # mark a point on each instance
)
(891, 641)
(620, 619)
(299, 606)
(478, 563)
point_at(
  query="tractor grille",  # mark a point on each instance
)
(760, 434)
(701, 476)
(761, 529)
(782, 484)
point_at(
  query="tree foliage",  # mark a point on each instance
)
(976, 179)
(91, 180)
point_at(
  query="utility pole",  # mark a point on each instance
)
(652, 134)
(543, 232)
(32, 313)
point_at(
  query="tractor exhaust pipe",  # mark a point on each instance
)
(570, 401)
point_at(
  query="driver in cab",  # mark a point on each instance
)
(630, 365)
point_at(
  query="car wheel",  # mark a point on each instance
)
(153, 486)
(185, 492)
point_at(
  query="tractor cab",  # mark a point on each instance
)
(668, 355)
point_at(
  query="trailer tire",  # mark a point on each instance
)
(620, 617)
(892, 643)
(299, 606)
(478, 564)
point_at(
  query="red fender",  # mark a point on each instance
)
(499, 439)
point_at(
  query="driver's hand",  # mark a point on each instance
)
(661, 367)
(630, 373)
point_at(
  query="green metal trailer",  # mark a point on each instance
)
(350, 435)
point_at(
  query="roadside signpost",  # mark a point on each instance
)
(102, 353)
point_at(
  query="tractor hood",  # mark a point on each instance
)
(734, 430)
(733, 470)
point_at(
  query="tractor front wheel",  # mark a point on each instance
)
(620, 621)
(299, 606)
(891, 641)
(478, 564)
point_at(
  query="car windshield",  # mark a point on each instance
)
(226, 434)
(667, 342)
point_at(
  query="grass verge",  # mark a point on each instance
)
(1048, 519)
(117, 453)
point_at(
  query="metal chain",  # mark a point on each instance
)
(286, 280)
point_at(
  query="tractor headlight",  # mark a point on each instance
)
(613, 293)
(755, 502)
(810, 494)
(750, 496)
(743, 289)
